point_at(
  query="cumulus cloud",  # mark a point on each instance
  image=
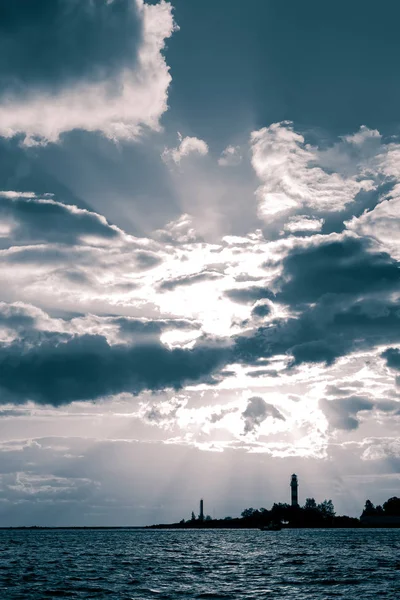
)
(187, 146)
(291, 176)
(257, 410)
(230, 157)
(116, 85)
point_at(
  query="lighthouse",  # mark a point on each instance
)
(201, 515)
(294, 484)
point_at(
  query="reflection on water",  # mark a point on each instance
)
(124, 564)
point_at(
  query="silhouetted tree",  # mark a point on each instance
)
(369, 509)
(392, 507)
(247, 513)
(208, 518)
(310, 504)
(327, 509)
(282, 512)
(193, 517)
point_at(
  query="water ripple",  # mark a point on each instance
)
(194, 565)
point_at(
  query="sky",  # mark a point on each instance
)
(199, 257)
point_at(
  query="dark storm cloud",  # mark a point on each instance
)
(257, 411)
(44, 220)
(340, 290)
(47, 43)
(58, 371)
(171, 284)
(322, 333)
(345, 266)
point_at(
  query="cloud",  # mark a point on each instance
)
(147, 260)
(116, 85)
(338, 291)
(13, 412)
(262, 310)
(382, 223)
(342, 413)
(249, 295)
(215, 417)
(32, 219)
(60, 369)
(291, 177)
(303, 223)
(187, 146)
(392, 357)
(343, 266)
(230, 157)
(187, 280)
(180, 231)
(257, 411)
(380, 449)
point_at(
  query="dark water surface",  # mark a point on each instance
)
(250, 564)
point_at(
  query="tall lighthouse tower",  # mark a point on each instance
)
(294, 484)
(201, 515)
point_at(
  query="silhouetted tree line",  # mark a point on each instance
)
(390, 508)
(310, 515)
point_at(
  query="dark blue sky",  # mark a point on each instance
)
(328, 65)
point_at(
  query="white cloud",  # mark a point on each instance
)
(303, 223)
(119, 109)
(187, 146)
(382, 223)
(230, 157)
(291, 177)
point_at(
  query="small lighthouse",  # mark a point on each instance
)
(294, 484)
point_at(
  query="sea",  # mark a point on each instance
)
(301, 564)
